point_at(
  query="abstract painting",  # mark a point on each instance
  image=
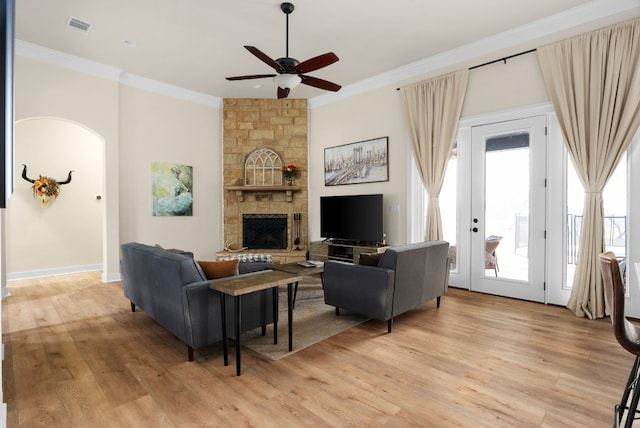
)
(172, 189)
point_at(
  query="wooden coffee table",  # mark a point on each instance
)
(237, 286)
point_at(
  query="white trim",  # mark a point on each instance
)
(169, 90)
(51, 272)
(111, 277)
(416, 212)
(528, 33)
(558, 291)
(506, 115)
(102, 71)
(71, 62)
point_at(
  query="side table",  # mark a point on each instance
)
(292, 288)
(237, 286)
(299, 270)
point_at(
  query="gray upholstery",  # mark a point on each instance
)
(406, 277)
(171, 288)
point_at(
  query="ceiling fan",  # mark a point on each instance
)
(291, 72)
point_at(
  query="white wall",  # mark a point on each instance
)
(370, 115)
(159, 128)
(68, 233)
(379, 113)
(137, 127)
(497, 87)
(43, 90)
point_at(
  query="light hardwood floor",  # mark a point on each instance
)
(76, 356)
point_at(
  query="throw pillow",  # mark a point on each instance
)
(370, 259)
(221, 269)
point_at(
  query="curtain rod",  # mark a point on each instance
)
(497, 60)
(502, 59)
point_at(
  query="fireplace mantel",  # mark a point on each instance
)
(240, 190)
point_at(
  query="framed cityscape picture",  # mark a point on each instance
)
(360, 162)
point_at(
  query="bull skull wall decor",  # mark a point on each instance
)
(45, 187)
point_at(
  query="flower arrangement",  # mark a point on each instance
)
(290, 172)
(45, 186)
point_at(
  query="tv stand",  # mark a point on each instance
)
(333, 250)
(343, 242)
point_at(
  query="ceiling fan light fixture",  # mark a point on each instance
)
(292, 72)
(287, 80)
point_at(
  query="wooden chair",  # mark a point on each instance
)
(626, 333)
(490, 258)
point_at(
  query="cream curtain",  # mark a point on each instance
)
(594, 84)
(432, 109)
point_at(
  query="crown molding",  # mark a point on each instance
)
(71, 62)
(96, 69)
(169, 90)
(525, 34)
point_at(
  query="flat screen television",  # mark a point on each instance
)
(352, 219)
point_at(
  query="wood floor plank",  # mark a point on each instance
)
(142, 412)
(75, 356)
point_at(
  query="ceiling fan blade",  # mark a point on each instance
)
(315, 63)
(319, 83)
(265, 58)
(283, 93)
(253, 76)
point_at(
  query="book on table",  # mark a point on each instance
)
(310, 263)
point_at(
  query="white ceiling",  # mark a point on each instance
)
(195, 44)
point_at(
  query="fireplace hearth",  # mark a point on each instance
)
(264, 231)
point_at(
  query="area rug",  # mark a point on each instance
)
(313, 321)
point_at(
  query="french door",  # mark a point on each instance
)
(508, 199)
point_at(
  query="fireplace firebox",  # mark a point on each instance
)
(264, 231)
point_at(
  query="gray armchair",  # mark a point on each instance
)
(405, 277)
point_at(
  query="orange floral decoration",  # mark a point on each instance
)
(45, 186)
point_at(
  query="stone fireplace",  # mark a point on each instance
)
(279, 125)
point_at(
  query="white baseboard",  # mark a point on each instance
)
(111, 277)
(12, 276)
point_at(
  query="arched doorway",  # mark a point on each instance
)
(68, 235)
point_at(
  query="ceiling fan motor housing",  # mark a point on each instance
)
(288, 63)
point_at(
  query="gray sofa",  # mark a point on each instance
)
(169, 286)
(405, 277)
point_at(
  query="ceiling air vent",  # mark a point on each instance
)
(78, 24)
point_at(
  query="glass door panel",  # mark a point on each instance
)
(508, 208)
(507, 205)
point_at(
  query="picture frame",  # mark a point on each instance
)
(172, 189)
(355, 163)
